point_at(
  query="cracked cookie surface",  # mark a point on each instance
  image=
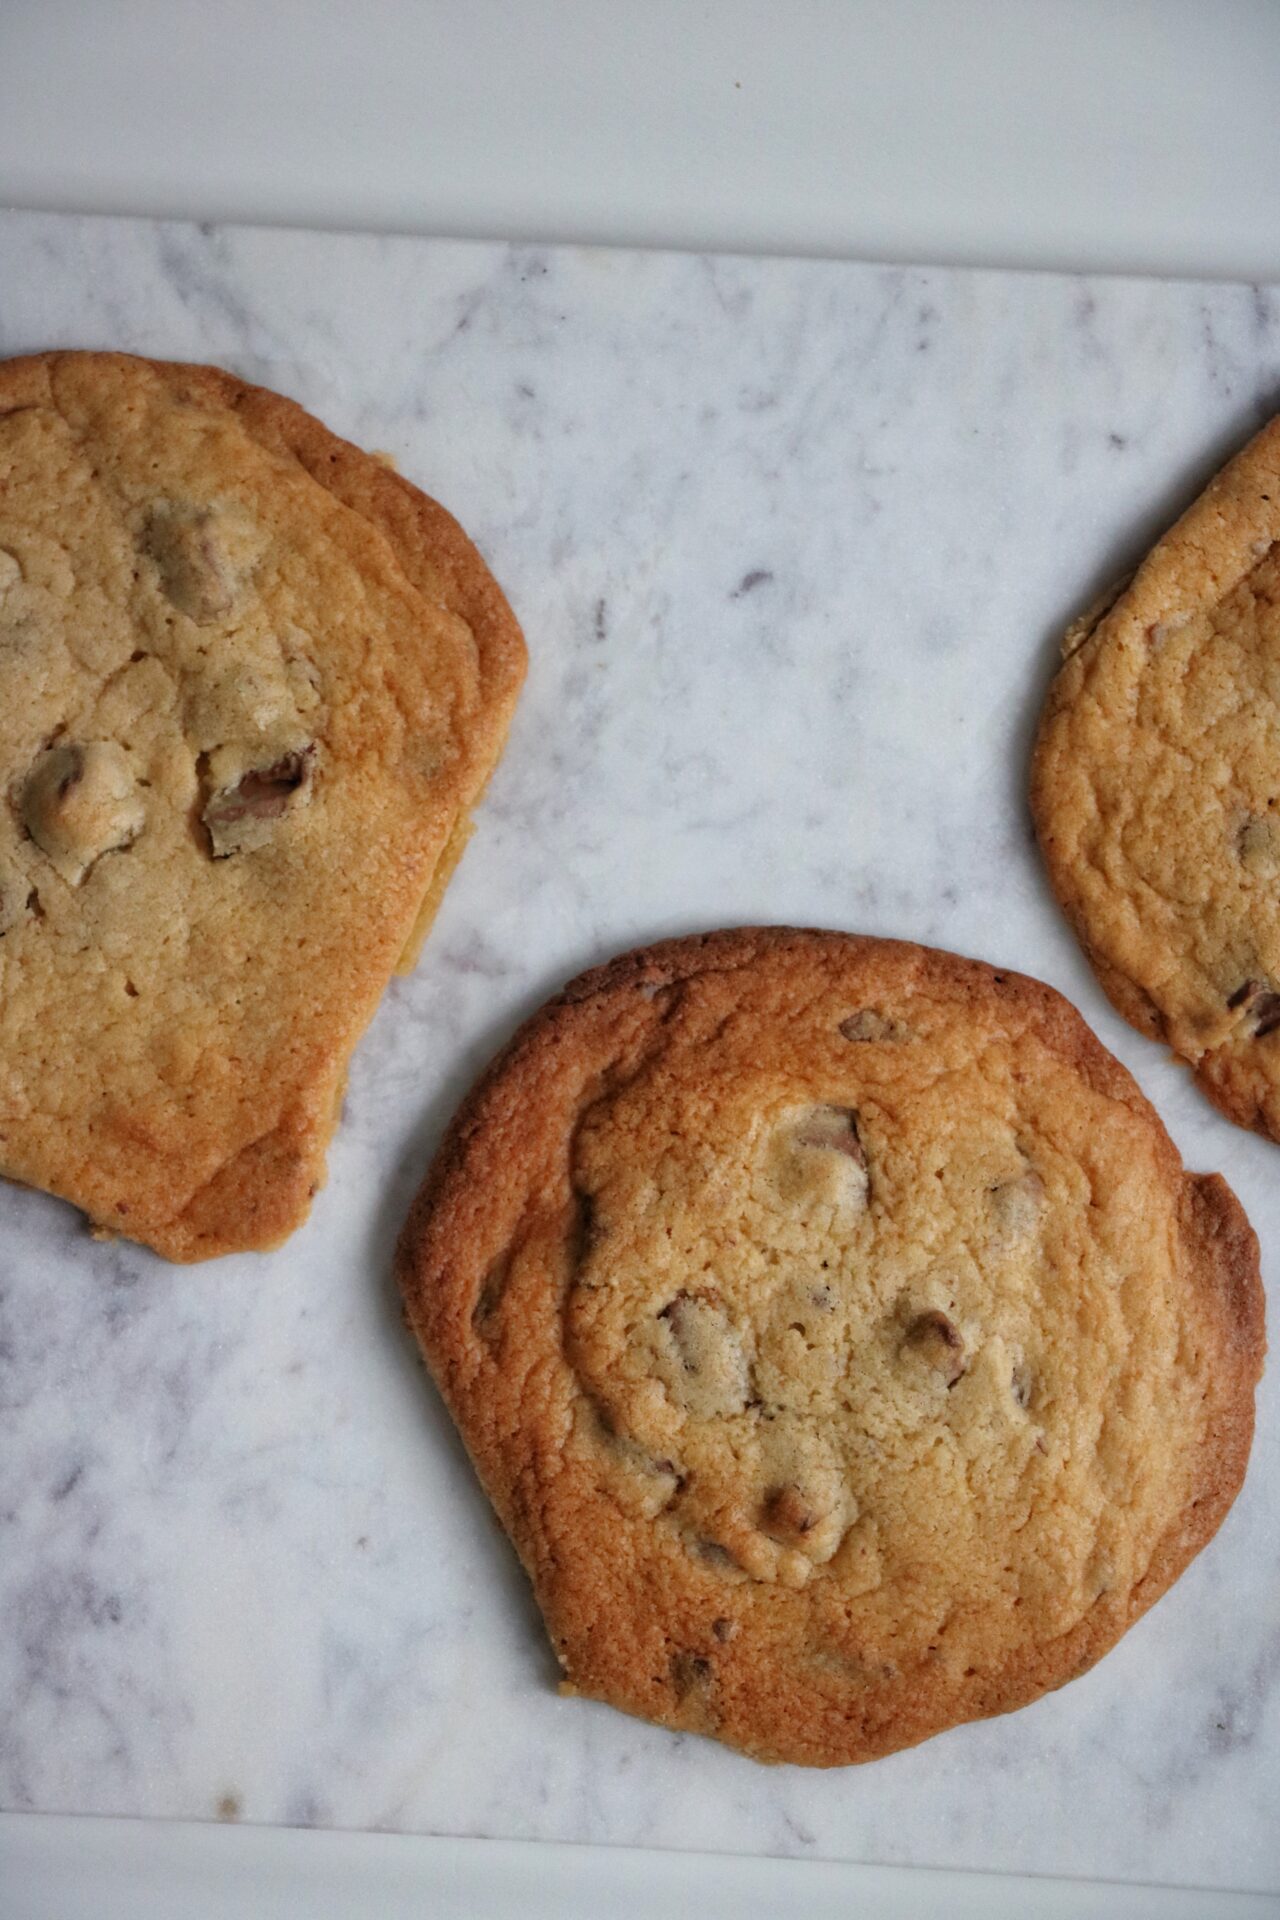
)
(837, 1335)
(1156, 788)
(250, 684)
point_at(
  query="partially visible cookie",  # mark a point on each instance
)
(837, 1335)
(251, 683)
(1156, 788)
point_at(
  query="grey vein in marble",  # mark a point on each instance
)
(792, 544)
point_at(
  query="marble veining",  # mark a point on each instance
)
(792, 544)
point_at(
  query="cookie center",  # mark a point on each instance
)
(791, 1314)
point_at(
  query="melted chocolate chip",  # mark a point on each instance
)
(1260, 1006)
(836, 1130)
(938, 1341)
(261, 795)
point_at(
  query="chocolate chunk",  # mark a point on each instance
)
(1259, 1005)
(834, 1129)
(713, 1374)
(198, 554)
(788, 1515)
(939, 1343)
(79, 802)
(239, 817)
(689, 1673)
(869, 1024)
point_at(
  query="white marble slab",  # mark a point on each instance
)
(792, 545)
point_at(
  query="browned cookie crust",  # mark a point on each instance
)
(835, 1330)
(251, 682)
(1156, 789)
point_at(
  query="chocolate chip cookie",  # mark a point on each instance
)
(251, 683)
(837, 1335)
(1156, 789)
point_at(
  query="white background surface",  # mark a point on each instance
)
(1114, 134)
(1089, 134)
(793, 543)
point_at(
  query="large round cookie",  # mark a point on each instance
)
(250, 684)
(837, 1334)
(1156, 788)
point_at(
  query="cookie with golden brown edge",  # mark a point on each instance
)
(1156, 789)
(251, 683)
(837, 1335)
